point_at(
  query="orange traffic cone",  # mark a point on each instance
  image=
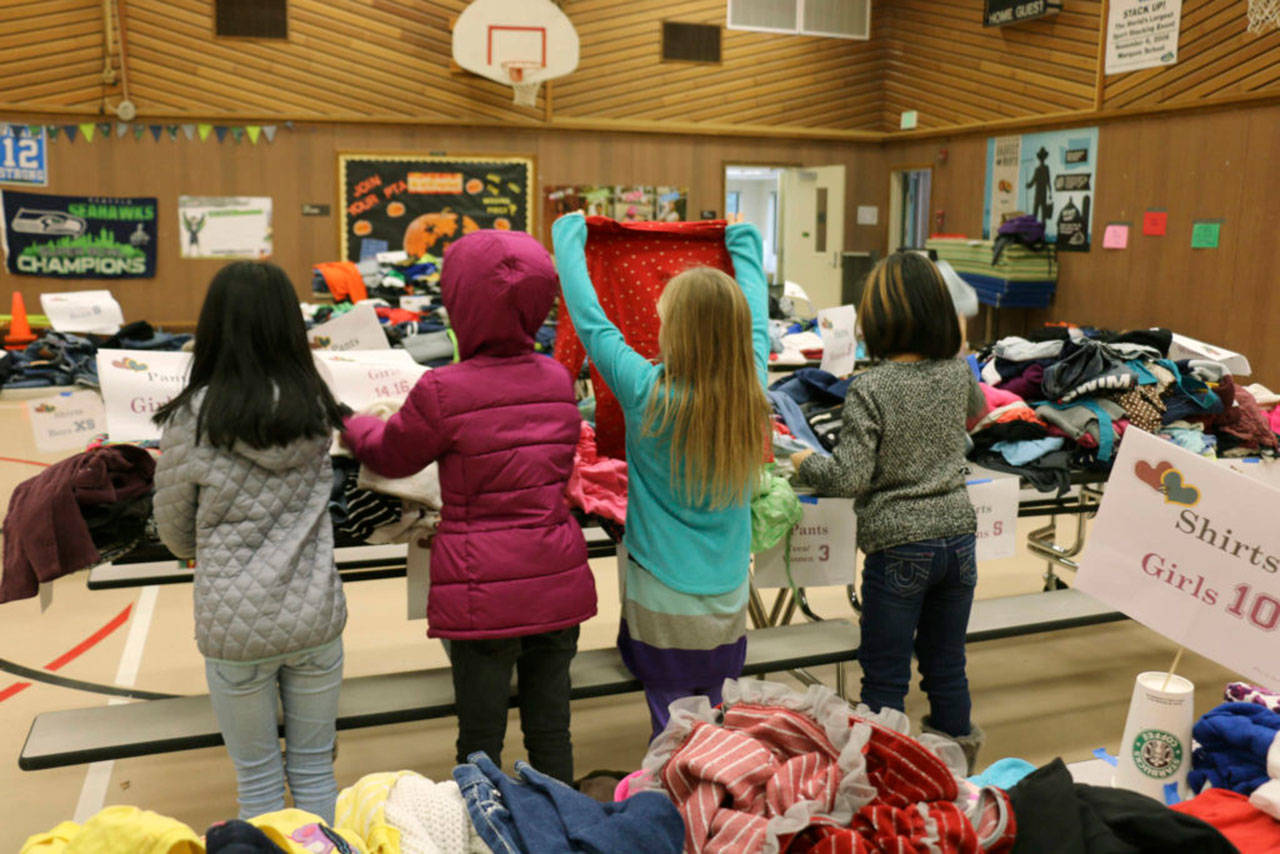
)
(19, 330)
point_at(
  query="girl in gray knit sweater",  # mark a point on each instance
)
(901, 459)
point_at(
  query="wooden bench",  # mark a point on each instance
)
(78, 736)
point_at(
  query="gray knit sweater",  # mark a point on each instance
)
(901, 453)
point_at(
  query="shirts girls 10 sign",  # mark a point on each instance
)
(1190, 548)
(422, 204)
(1052, 176)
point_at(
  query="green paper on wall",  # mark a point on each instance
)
(1204, 235)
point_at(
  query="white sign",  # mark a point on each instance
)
(839, 340)
(83, 311)
(67, 422)
(868, 215)
(994, 496)
(1190, 549)
(1005, 171)
(225, 226)
(417, 302)
(362, 378)
(824, 548)
(1142, 34)
(136, 383)
(358, 329)
(1189, 348)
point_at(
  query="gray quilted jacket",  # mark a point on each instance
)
(257, 522)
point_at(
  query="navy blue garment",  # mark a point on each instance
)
(813, 385)
(239, 837)
(549, 816)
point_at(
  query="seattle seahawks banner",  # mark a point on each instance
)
(75, 237)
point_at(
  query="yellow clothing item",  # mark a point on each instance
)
(53, 842)
(118, 830)
(362, 809)
(299, 832)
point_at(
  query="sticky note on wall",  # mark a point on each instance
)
(1116, 236)
(1155, 223)
(1205, 234)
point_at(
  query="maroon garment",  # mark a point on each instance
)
(1245, 421)
(509, 559)
(45, 535)
(630, 263)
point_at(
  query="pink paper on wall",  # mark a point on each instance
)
(1116, 236)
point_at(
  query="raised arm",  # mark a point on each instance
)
(628, 374)
(407, 442)
(746, 248)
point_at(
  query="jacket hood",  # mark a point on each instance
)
(279, 458)
(498, 287)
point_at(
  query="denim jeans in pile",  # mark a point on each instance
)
(489, 814)
(917, 597)
(245, 699)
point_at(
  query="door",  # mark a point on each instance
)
(909, 191)
(812, 231)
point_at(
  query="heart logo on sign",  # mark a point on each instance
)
(44, 407)
(1177, 492)
(321, 342)
(1153, 476)
(129, 364)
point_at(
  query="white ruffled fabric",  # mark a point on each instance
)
(432, 818)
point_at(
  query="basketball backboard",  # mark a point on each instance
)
(516, 42)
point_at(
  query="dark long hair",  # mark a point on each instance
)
(254, 365)
(906, 308)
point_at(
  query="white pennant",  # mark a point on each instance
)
(269, 131)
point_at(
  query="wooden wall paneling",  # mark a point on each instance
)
(51, 53)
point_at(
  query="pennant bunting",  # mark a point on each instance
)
(189, 131)
(70, 131)
(237, 133)
(53, 131)
(87, 130)
(204, 131)
(33, 130)
(104, 129)
(269, 131)
(122, 128)
(220, 132)
(156, 130)
(173, 132)
(138, 131)
(254, 132)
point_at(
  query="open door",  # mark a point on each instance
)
(812, 231)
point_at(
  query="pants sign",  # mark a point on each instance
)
(1190, 548)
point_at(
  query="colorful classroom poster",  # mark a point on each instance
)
(421, 204)
(625, 204)
(77, 237)
(23, 155)
(1190, 549)
(1142, 34)
(225, 226)
(1052, 176)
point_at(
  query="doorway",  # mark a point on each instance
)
(751, 194)
(909, 199)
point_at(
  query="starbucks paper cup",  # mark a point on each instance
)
(1156, 750)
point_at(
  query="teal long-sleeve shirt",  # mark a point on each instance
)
(689, 547)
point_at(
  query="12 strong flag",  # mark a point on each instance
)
(74, 237)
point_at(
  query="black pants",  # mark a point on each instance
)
(482, 688)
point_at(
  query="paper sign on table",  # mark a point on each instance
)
(994, 496)
(1155, 223)
(1204, 235)
(839, 340)
(95, 312)
(358, 329)
(1183, 347)
(68, 421)
(136, 383)
(792, 290)
(361, 378)
(1116, 236)
(1190, 549)
(824, 548)
(417, 302)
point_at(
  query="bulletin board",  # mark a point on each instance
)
(421, 204)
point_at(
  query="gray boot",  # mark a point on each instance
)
(969, 744)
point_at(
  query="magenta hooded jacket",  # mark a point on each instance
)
(509, 559)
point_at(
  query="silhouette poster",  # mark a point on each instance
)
(1051, 176)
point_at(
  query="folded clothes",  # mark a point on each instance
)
(1234, 741)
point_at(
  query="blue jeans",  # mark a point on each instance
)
(245, 699)
(918, 595)
(489, 814)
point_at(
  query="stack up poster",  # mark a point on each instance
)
(421, 204)
(1052, 176)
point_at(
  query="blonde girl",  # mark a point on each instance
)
(696, 426)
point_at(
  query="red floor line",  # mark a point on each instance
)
(75, 652)
(25, 462)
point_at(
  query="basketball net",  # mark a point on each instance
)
(526, 93)
(1264, 15)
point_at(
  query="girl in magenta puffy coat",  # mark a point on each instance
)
(510, 581)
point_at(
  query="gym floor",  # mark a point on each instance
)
(1037, 697)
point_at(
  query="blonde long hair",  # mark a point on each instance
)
(709, 395)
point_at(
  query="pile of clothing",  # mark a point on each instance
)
(808, 411)
(385, 275)
(63, 359)
(89, 508)
(1062, 398)
(1237, 747)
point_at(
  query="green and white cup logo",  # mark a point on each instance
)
(1157, 753)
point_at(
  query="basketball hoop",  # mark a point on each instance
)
(1264, 15)
(526, 92)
